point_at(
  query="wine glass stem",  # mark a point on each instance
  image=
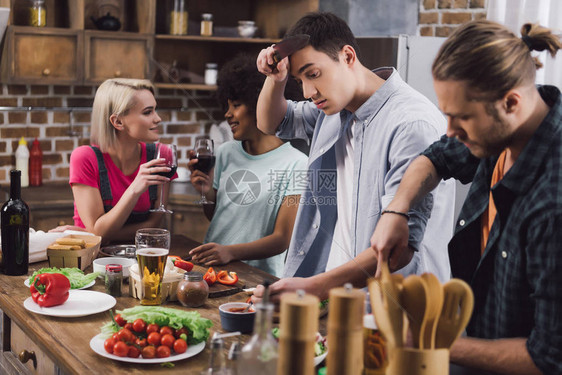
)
(162, 197)
(203, 198)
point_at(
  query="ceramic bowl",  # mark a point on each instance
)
(100, 263)
(246, 29)
(233, 321)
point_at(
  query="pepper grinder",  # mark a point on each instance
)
(297, 333)
(345, 331)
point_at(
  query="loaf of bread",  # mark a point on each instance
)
(57, 246)
(71, 242)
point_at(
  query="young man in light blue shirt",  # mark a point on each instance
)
(365, 127)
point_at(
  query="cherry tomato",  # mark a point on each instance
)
(125, 335)
(119, 320)
(163, 351)
(139, 325)
(148, 352)
(152, 327)
(115, 337)
(154, 338)
(180, 331)
(129, 326)
(168, 340)
(166, 330)
(133, 352)
(108, 345)
(140, 342)
(120, 349)
(180, 346)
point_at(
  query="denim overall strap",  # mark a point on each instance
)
(105, 188)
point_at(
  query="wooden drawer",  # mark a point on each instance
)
(16, 342)
(111, 56)
(43, 56)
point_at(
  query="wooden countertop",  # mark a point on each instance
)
(66, 340)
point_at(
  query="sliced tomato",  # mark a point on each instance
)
(227, 278)
(211, 276)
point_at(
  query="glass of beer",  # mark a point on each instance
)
(152, 262)
(152, 238)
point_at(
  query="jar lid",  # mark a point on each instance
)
(211, 65)
(206, 16)
(193, 276)
(114, 268)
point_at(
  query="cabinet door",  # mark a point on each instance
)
(42, 56)
(110, 56)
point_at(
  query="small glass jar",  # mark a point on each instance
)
(192, 291)
(38, 14)
(211, 73)
(178, 18)
(206, 24)
(114, 279)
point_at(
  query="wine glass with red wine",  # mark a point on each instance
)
(204, 152)
(170, 155)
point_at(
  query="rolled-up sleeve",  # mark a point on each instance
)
(299, 121)
(452, 159)
(544, 257)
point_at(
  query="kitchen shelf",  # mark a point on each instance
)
(218, 39)
(185, 86)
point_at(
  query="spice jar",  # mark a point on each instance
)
(211, 73)
(38, 14)
(113, 279)
(206, 24)
(178, 18)
(192, 291)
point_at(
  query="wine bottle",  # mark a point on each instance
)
(15, 230)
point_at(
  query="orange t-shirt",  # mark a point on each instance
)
(490, 214)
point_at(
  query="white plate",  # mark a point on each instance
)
(26, 283)
(96, 343)
(79, 303)
(320, 358)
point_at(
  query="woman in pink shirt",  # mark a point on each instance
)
(114, 180)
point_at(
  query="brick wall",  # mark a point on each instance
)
(440, 17)
(52, 127)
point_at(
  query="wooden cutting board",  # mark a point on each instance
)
(218, 289)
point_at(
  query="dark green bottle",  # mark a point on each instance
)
(15, 230)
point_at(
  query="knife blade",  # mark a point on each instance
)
(288, 46)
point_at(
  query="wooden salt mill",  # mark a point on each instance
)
(345, 331)
(297, 333)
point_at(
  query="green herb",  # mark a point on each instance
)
(76, 276)
(167, 364)
(163, 316)
(323, 304)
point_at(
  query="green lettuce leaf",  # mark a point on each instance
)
(76, 276)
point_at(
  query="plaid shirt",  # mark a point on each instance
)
(517, 282)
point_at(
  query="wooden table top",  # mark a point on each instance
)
(67, 340)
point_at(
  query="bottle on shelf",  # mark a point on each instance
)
(211, 73)
(36, 164)
(14, 220)
(206, 24)
(178, 18)
(22, 162)
(38, 14)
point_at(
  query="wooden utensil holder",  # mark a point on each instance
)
(418, 362)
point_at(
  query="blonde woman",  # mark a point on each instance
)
(114, 180)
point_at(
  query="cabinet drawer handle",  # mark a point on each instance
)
(62, 222)
(46, 72)
(178, 216)
(25, 356)
(117, 74)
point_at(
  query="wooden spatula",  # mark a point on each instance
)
(434, 303)
(414, 300)
(458, 302)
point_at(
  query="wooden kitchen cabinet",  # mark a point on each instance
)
(125, 55)
(46, 55)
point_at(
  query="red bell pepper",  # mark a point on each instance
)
(50, 289)
(180, 263)
(211, 276)
(227, 278)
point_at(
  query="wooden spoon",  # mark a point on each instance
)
(434, 304)
(414, 297)
(458, 302)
